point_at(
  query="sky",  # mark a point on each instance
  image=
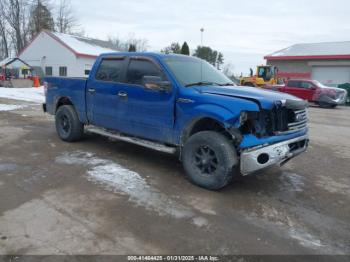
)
(243, 30)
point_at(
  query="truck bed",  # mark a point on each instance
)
(72, 87)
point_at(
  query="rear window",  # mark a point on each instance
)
(306, 85)
(110, 70)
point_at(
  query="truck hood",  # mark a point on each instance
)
(264, 98)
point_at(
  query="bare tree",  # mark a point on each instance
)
(141, 44)
(16, 15)
(66, 21)
(228, 70)
(137, 44)
(4, 44)
(118, 44)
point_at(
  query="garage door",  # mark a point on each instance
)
(331, 75)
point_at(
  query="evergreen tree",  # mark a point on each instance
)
(211, 56)
(185, 50)
(40, 19)
(132, 48)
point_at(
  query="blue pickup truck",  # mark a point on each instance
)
(181, 105)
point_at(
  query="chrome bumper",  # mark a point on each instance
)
(255, 159)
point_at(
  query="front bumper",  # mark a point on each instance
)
(338, 100)
(254, 159)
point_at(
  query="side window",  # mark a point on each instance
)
(262, 72)
(138, 69)
(48, 71)
(306, 85)
(62, 71)
(110, 70)
(293, 84)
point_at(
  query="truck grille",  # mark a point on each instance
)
(293, 121)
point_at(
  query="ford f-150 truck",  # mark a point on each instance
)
(183, 105)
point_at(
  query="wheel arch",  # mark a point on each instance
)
(63, 100)
(66, 100)
(208, 123)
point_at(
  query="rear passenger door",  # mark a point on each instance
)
(103, 104)
(150, 112)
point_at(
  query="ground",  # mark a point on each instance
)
(100, 196)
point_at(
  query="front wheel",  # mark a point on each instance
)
(325, 105)
(209, 159)
(68, 126)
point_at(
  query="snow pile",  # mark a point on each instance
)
(26, 94)
(4, 107)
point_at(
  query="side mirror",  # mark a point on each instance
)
(156, 83)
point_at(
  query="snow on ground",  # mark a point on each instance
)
(25, 94)
(119, 179)
(5, 107)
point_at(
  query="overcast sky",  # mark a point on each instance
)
(244, 30)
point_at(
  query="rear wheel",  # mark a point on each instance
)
(249, 84)
(68, 126)
(209, 159)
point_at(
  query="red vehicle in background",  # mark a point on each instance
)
(313, 91)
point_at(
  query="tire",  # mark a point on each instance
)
(249, 84)
(209, 159)
(68, 126)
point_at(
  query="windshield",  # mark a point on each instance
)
(319, 84)
(191, 71)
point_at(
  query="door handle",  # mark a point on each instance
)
(91, 90)
(122, 94)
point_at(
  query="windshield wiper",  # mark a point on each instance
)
(202, 83)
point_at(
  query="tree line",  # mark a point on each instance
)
(21, 20)
(214, 57)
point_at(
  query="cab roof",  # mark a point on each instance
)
(149, 54)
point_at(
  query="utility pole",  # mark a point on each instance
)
(202, 31)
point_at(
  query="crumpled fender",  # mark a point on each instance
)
(185, 121)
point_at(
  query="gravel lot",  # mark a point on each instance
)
(106, 197)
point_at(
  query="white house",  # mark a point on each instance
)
(60, 54)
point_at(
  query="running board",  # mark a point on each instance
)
(134, 140)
